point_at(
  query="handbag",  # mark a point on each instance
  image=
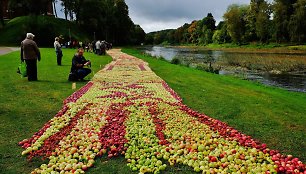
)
(22, 69)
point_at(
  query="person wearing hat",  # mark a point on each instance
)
(30, 54)
(58, 51)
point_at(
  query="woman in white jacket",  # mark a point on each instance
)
(58, 51)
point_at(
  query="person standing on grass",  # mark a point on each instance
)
(98, 47)
(58, 51)
(78, 72)
(30, 54)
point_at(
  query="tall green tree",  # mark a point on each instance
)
(32, 7)
(205, 29)
(221, 35)
(251, 17)
(137, 35)
(1, 14)
(123, 22)
(297, 24)
(209, 26)
(282, 11)
(54, 7)
(68, 6)
(178, 35)
(210, 22)
(170, 36)
(235, 21)
(92, 17)
(263, 23)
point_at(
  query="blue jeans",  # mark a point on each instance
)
(83, 72)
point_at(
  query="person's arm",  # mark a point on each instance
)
(85, 62)
(37, 51)
(21, 53)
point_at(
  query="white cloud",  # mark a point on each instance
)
(153, 15)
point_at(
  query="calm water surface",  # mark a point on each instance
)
(292, 81)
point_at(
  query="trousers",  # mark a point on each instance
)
(59, 55)
(31, 69)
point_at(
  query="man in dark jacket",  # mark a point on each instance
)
(78, 72)
(30, 54)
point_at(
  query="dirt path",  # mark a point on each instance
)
(6, 50)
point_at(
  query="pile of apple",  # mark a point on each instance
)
(127, 110)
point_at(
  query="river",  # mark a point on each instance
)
(287, 71)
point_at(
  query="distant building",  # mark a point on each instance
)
(19, 10)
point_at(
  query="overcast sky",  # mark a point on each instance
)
(154, 15)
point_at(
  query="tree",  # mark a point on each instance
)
(251, 18)
(297, 22)
(192, 32)
(122, 21)
(54, 7)
(210, 22)
(138, 35)
(235, 20)
(68, 6)
(178, 35)
(263, 21)
(283, 9)
(27, 7)
(1, 14)
(208, 34)
(96, 20)
(170, 36)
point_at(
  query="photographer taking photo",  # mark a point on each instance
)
(78, 72)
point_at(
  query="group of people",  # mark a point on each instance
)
(100, 47)
(30, 54)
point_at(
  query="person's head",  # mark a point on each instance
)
(30, 36)
(80, 51)
(56, 39)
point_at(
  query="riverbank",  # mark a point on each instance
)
(251, 48)
(272, 116)
(287, 71)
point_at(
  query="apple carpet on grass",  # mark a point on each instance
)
(128, 110)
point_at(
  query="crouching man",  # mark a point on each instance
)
(78, 72)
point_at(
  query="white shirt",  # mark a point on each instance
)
(57, 46)
(98, 44)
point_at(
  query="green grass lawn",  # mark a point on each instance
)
(272, 116)
(26, 106)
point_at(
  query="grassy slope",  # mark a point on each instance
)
(273, 116)
(46, 27)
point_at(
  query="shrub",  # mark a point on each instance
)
(176, 61)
